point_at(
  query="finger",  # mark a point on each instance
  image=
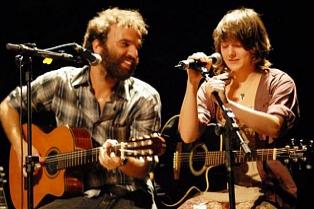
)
(198, 56)
(222, 77)
(101, 156)
(37, 168)
(24, 172)
(112, 155)
(112, 141)
(103, 151)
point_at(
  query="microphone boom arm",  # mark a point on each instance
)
(26, 50)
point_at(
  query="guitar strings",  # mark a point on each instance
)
(264, 153)
(135, 144)
(81, 157)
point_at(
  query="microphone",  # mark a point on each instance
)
(91, 58)
(24, 49)
(191, 63)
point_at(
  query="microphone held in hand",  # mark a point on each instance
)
(91, 58)
(191, 63)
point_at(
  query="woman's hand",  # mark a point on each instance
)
(194, 75)
(217, 84)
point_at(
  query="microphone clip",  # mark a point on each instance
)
(86, 55)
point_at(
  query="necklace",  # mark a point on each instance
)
(242, 95)
(247, 90)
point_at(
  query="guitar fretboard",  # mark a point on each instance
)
(219, 157)
(142, 147)
(213, 158)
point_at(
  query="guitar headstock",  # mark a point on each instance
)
(299, 152)
(2, 179)
(147, 146)
(3, 202)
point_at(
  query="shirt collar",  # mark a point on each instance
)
(124, 88)
(81, 77)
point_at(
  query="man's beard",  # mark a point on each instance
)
(112, 65)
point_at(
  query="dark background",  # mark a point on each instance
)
(176, 30)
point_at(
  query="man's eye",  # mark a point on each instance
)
(124, 44)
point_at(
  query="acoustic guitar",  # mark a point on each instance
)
(190, 169)
(65, 149)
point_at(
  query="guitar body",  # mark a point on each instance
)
(175, 186)
(49, 181)
(186, 169)
(174, 181)
(63, 152)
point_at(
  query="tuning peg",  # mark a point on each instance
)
(156, 158)
(308, 166)
(304, 158)
(286, 161)
(295, 159)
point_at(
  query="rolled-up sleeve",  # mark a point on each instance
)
(284, 101)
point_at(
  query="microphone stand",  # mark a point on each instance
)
(26, 63)
(229, 132)
(30, 160)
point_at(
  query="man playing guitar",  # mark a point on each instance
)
(104, 99)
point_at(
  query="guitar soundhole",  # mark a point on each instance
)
(198, 158)
(52, 165)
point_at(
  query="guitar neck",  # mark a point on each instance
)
(78, 158)
(259, 154)
(213, 158)
(143, 147)
(200, 154)
(219, 157)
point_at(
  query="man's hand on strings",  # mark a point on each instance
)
(107, 157)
